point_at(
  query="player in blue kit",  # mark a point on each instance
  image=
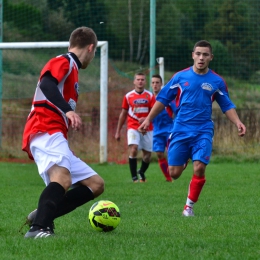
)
(162, 124)
(194, 89)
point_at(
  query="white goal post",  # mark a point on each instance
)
(103, 83)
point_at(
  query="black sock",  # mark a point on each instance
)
(133, 168)
(51, 196)
(73, 199)
(144, 167)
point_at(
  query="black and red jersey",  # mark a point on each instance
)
(45, 116)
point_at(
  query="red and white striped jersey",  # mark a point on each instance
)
(44, 115)
(138, 106)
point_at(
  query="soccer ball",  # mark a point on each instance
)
(104, 215)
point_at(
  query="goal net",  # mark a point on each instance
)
(20, 65)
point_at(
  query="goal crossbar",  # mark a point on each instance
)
(103, 84)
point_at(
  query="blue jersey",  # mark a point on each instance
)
(163, 122)
(194, 94)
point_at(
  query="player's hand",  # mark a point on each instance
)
(241, 129)
(141, 120)
(75, 120)
(144, 127)
(117, 137)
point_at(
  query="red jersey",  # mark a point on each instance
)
(45, 116)
(138, 105)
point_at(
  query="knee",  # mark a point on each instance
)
(199, 168)
(147, 157)
(160, 155)
(60, 175)
(133, 150)
(65, 182)
(175, 172)
(98, 187)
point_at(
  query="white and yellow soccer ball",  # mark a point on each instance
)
(104, 215)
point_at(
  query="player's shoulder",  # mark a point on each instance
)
(182, 72)
(216, 76)
(148, 92)
(131, 92)
(63, 58)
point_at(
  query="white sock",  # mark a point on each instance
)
(190, 203)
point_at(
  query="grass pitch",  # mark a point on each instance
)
(226, 225)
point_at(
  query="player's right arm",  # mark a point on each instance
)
(157, 108)
(165, 96)
(121, 121)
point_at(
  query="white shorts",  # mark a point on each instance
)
(48, 150)
(144, 142)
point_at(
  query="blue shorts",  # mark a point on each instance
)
(160, 142)
(197, 148)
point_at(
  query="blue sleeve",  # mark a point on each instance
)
(168, 92)
(173, 107)
(222, 98)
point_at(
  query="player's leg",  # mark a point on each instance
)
(144, 165)
(146, 145)
(133, 139)
(81, 192)
(51, 196)
(159, 145)
(164, 166)
(195, 187)
(87, 185)
(201, 153)
(178, 155)
(51, 154)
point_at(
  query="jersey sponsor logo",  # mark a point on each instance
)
(138, 110)
(207, 86)
(140, 101)
(72, 104)
(175, 86)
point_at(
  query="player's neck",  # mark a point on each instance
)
(139, 91)
(200, 72)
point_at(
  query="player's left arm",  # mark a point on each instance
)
(48, 86)
(229, 108)
(232, 115)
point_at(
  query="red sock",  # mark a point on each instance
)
(164, 167)
(195, 187)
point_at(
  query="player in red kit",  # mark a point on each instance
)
(135, 108)
(45, 136)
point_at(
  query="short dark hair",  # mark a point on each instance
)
(82, 37)
(139, 74)
(157, 76)
(203, 43)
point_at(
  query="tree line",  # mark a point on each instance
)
(232, 26)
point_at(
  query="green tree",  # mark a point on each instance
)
(231, 27)
(24, 17)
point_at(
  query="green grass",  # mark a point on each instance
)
(226, 225)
